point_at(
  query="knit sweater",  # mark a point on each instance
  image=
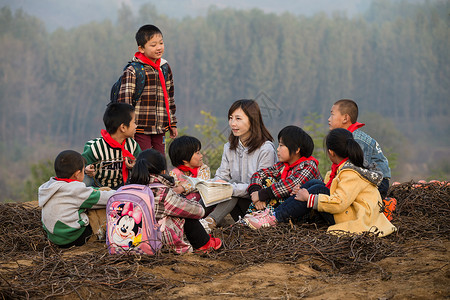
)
(108, 160)
(238, 166)
(64, 206)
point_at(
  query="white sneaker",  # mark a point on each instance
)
(208, 223)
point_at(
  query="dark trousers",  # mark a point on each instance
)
(294, 209)
(148, 141)
(384, 187)
(195, 233)
(81, 240)
(240, 209)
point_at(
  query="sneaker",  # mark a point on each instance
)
(212, 244)
(265, 219)
(208, 223)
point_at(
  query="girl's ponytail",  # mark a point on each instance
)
(139, 173)
(148, 162)
(355, 154)
(341, 141)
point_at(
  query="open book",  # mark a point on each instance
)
(212, 192)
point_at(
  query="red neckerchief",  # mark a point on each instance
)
(156, 66)
(288, 168)
(194, 171)
(66, 179)
(125, 153)
(355, 126)
(334, 168)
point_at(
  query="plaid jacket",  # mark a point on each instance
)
(170, 211)
(151, 113)
(300, 174)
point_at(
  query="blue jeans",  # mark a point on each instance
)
(294, 209)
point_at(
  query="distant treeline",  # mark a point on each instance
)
(394, 61)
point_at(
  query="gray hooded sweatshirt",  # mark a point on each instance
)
(64, 206)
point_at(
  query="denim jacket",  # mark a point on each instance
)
(372, 152)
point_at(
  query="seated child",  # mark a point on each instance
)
(176, 214)
(295, 167)
(106, 155)
(184, 153)
(353, 200)
(344, 114)
(64, 200)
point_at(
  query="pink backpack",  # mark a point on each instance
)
(130, 221)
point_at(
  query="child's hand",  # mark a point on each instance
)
(302, 195)
(178, 189)
(130, 162)
(260, 205)
(295, 189)
(173, 132)
(90, 170)
(255, 197)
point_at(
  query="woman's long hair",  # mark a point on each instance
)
(341, 141)
(258, 131)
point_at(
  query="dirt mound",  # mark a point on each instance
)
(290, 261)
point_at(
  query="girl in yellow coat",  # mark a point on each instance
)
(354, 200)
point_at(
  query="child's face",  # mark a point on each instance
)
(196, 160)
(154, 48)
(131, 129)
(284, 155)
(336, 119)
(240, 124)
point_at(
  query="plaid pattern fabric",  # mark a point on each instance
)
(203, 173)
(151, 114)
(107, 160)
(300, 174)
(170, 210)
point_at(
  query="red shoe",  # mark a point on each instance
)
(389, 207)
(212, 244)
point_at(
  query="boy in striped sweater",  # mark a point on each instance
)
(110, 156)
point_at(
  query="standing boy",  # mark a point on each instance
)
(65, 199)
(155, 109)
(111, 156)
(344, 114)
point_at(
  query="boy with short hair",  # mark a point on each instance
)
(155, 109)
(111, 156)
(344, 114)
(64, 200)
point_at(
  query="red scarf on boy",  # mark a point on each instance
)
(194, 171)
(125, 153)
(355, 126)
(334, 168)
(288, 168)
(156, 66)
(66, 179)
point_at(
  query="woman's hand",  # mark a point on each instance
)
(302, 195)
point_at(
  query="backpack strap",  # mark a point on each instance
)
(140, 80)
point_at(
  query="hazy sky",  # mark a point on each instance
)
(69, 13)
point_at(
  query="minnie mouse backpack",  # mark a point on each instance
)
(130, 221)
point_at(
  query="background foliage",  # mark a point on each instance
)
(394, 61)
